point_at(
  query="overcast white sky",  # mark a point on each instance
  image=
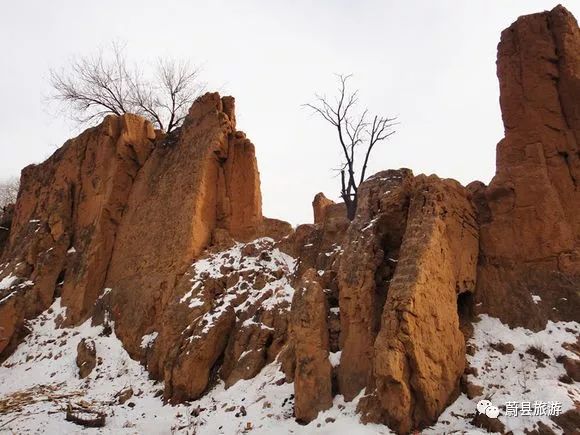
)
(431, 63)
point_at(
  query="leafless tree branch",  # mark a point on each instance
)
(354, 131)
(8, 192)
(98, 85)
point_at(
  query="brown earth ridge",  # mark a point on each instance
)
(164, 236)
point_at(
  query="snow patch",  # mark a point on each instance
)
(515, 377)
(106, 291)
(269, 262)
(5, 298)
(7, 282)
(148, 340)
(334, 358)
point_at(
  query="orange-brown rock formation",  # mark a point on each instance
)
(319, 205)
(232, 305)
(419, 352)
(86, 357)
(414, 240)
(6, 215)
(371, 250)
(66, 219)
(164, 235)
(203, 183)
(123, 209)
(309, 332)
(530, 213)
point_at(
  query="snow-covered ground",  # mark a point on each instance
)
(518, 377)
(41, 377)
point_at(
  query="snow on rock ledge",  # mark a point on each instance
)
(227, 318)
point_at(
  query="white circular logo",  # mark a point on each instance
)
(482, 405)
(492, 411)
(487, 408)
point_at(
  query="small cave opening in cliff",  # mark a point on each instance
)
(465, 312)
(59, 284)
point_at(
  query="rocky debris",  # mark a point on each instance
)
(309, 332)
(543, 429)
(85, 417)
(529, 267)
(569, 421)
(319, 205)
(503, 348)
(572, 366)
(473, 390)
(538, 354)
(573, 346)
(419, 352)
(65, 222)
(492, 425)
(86, 357)
(124, 395)
(228, 317)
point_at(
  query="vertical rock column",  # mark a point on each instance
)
(309, 333)
(371, 248)
(419, 352)
(530, 213)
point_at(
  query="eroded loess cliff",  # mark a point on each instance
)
(418, 355)
(65, 222)
(530, 212)
(164, 237)
(423, 254)
(186, 196)
(396, 276)
(113, 221)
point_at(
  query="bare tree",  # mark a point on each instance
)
(104, 84)
(8, 192)
(355, 131)
(167, 100)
